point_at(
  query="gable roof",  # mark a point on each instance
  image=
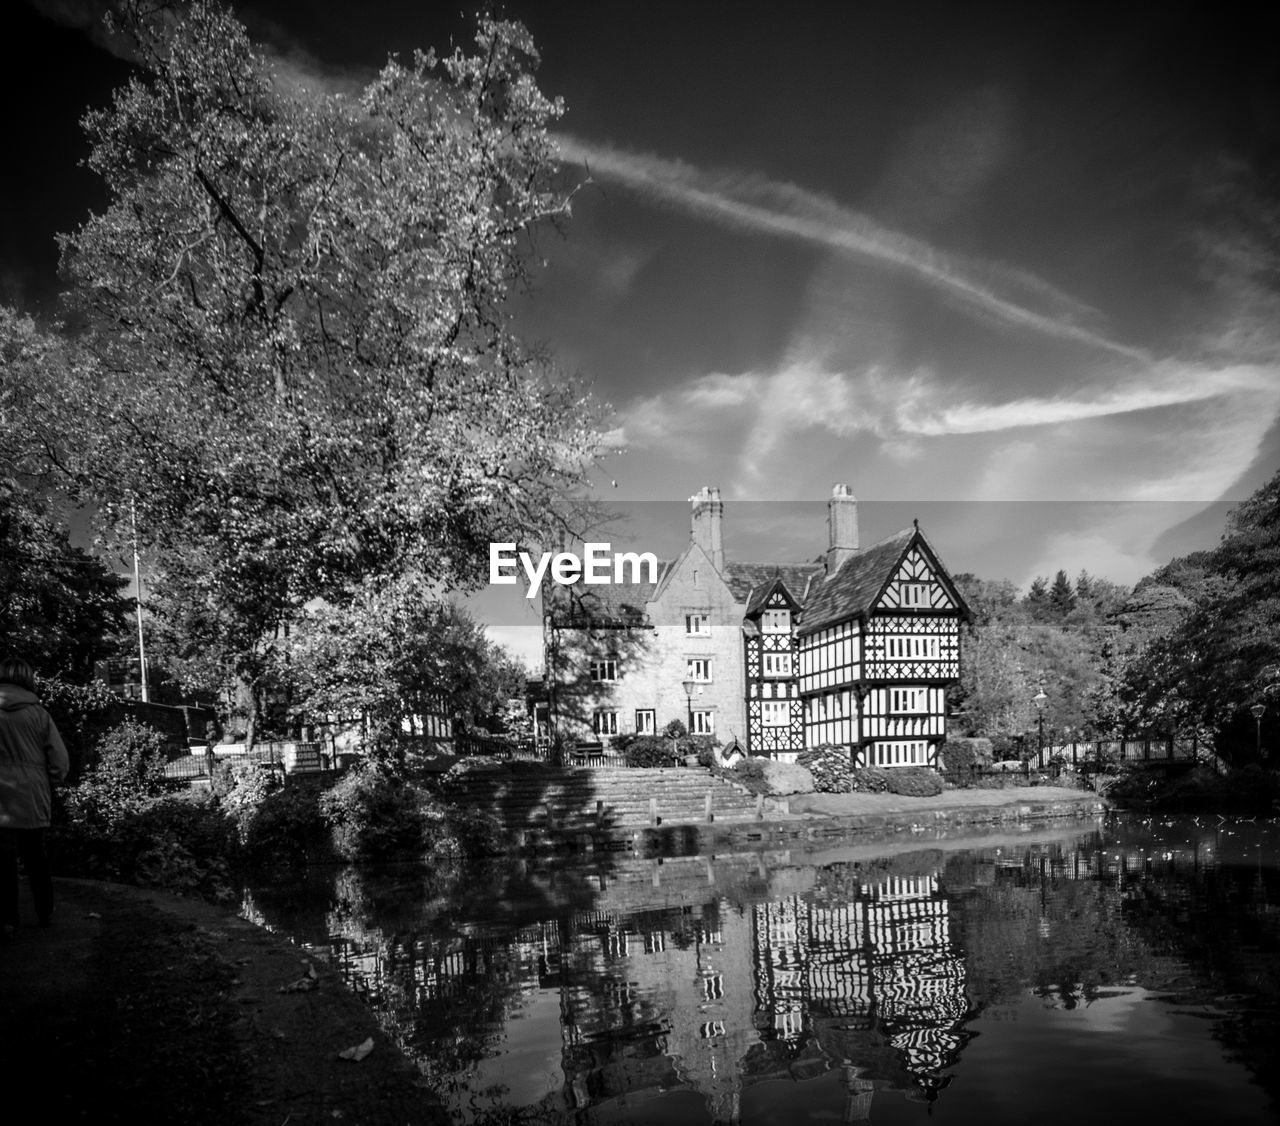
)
(749, 581)
(853, 588)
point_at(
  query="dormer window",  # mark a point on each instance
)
(776, 621)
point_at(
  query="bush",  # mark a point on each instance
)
(750, 772)
(651, 750)
(180, 843)
(831, 767)
(915, 781)
(370, 814)
(870, 780)
(127, 770)
(958, 759)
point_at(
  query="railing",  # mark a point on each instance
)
(289, 757)
(1096, 755)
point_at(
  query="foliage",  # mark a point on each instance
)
(957, 758)
(60, 608)
(1221, 656)
(915, 781)
(750, 772)
(83, 714)
(1248, 790)
(830, 766)
(126, 770)
(179, 843)
(313, 289)
(652, 750)
(371, 814)
(870, 780)
(393, 654)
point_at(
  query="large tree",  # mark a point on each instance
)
(304, 370)
(1218, 654)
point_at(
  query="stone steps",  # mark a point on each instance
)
(586, 799)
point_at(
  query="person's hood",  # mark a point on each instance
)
(12, 697)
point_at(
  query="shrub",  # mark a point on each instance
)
(371, 814)
(180, 843)
(749, 772)
(870, 779)
(274, 822)
(651, 750)
(831, 767)
(127, 770)
(957, 758)
(915, 781)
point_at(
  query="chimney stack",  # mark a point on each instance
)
(707, 514)
(842, 527)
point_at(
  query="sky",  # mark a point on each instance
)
(1010, 269)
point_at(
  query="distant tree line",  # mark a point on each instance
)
(1190, 649)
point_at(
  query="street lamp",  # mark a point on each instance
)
(1258, 710)
(689, 686)
(1039, 700)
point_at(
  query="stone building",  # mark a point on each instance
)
(855, 648)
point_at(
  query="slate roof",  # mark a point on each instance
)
(750, 582)
(849, 593)
(853, 588)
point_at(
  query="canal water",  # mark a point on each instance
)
(1119, 971)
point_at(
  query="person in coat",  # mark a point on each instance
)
(33, 759)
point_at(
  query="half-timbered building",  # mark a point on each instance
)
(855, 648)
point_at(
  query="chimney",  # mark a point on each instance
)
(842, 527)
(707, 514)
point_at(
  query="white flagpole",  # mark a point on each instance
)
(137, 583)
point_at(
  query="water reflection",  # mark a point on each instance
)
(987, 982)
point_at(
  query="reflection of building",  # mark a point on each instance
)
(878, 971)
(696, 994)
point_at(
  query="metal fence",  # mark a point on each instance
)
(289, 758)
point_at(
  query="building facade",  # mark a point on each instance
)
(855, 649)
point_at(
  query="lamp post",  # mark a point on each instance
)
(689, 686)
(1039, 700)
(1258, 710)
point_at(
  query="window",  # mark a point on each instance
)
(697, 625)
(901, 752)
(909, 700)
(604, 671)
(645, 721)
(899, 648)
(704, 723)
(775, 713)
(776, 621)
(606, 722)
(914, 594)
(777, 664)
(699, 668)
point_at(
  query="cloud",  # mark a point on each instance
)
(1171, 386)
(750, 202)
(1171, 432)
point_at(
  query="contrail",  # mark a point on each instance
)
(827, 224)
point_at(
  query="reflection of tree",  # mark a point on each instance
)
(716, 980)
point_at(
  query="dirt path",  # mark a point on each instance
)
(138, 1007)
